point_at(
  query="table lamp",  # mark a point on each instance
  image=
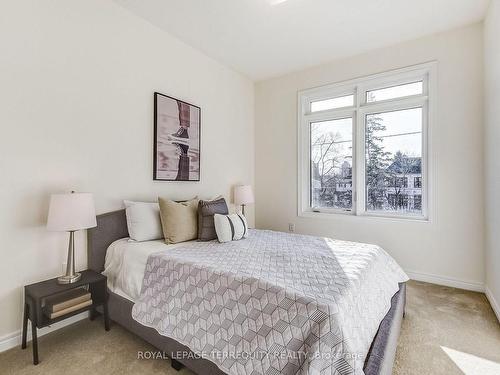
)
(69, 213)
(243, 195)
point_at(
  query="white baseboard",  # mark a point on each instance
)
(12, 340)
(493, 302)
(446, 281)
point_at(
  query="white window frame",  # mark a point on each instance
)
(359, 86)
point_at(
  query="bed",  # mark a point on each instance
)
(158, 311)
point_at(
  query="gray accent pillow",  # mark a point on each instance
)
(206, 212)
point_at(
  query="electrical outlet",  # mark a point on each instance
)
(63, 267)
(291, 227)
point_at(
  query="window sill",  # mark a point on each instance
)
(369, 216)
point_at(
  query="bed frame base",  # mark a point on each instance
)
(176, 364)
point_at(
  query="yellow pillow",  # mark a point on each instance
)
(179, 220)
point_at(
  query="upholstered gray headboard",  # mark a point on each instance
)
(111, 226)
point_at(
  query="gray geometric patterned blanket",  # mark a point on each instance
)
(274, 303)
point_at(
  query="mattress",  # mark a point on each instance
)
(125, 264)
(289, 303)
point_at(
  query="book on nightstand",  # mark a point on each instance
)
(70, 309)
(66, 302)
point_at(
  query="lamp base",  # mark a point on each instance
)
(69, 279)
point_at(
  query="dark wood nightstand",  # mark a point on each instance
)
(34, 295)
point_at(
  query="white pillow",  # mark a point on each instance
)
(230, 227)
(143, 221)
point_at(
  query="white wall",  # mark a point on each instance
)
(492, 152)
(450, 248)
(76, 97)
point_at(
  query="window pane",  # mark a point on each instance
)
(331, 164)
(341, 101)
(392, 92)
(393, 155)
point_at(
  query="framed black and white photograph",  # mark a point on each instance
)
(177, 140)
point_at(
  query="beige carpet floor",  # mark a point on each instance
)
(445, 331)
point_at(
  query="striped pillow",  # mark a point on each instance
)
(230, 227)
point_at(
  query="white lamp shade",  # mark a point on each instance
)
(70, 212)
(243, 194)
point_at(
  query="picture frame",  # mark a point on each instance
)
(177, 140)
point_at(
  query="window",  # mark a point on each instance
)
(417, 182)
(392, 92)
(338, 102)
(397, 201)
(331, 164)
(417, 202)
(393, 153)
(363, 146)
(399, 182)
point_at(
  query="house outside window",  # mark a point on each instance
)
(363, 145)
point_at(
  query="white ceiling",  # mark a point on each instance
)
(265, 38)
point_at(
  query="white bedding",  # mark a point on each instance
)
(125, 264)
